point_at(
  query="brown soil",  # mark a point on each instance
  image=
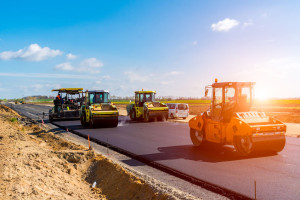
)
(35, 164)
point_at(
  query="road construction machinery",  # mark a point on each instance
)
(146, 108)
(230, 121)
(98, 110)
(67, 104)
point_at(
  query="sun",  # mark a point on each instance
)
(262, 96)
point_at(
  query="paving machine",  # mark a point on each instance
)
(67, 104)
(97, 110)
(146, 108)
(230, 121)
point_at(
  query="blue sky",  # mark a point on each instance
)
(173, 47)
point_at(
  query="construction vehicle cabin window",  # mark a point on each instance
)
(147, 97)
(244, 99)
(91, 98)
(229, 95)
(217, 101)
(137, 98)
(101, 97)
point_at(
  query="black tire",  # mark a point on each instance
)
(243, 145)
(171, 116)
(82, 121)
(280, 145)
(114, 123)
(166, 116)
(91, 123)
(132, 115)
(50, 119)
(197, 137)
(184, 118)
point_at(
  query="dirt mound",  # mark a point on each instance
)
(6, 111)
(116, 183)
(35, 164)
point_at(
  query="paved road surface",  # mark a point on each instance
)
(277, 176)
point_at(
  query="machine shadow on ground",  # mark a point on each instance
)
(211, 154)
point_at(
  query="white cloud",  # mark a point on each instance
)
(71, 56)
(225, 25)
(65, 67)
(248, 23)
(106, 77)
(31, 53)
(195, 42)
(133, 77)
(173, 73)
(40, 88)
(45, 75)
(90, 65)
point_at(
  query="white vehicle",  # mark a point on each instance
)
(178, 110)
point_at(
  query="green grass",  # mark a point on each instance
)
(42, 100)
(13, 119)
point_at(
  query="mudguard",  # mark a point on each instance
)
(196, 123)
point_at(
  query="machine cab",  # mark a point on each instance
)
(144, 96)
(230, 97)
(96, 97)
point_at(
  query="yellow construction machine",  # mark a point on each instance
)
(146, 108)
(98, 111)
(230, 121)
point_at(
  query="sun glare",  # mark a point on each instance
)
(261, 96)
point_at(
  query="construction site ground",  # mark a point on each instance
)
(166, 143)
(38, 164)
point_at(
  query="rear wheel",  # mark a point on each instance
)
(50, 118)
(243, 145)
(132, 115)
(82, 121)
(197, 137)
(280, 145)
(165, 117)
(114, 123)
(172, 116)
(91, 123)
(184, 118)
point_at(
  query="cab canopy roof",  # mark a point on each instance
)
(69, 90)
(95, 91)
(140, 92)
(233, 84)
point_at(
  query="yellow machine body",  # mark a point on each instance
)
(98, 111)
(230, 121)
(146, 108)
